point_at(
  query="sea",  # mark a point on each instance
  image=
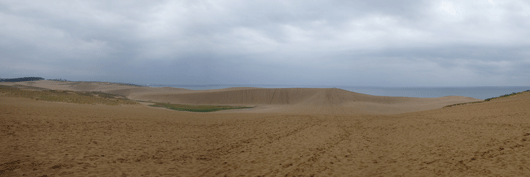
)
(420, 92)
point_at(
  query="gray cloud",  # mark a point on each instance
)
(360, 43)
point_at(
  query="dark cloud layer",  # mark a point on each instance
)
(358, 43)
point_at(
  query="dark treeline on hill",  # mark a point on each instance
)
(57, 80)
(121, 83)
(21, 79)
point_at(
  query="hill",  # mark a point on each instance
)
(276, 100)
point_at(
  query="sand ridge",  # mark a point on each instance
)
(267, 100)
(309, 100)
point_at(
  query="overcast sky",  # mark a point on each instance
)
(304, 42)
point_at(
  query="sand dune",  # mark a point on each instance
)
(282, 96)
(72, 86)
(308, 100)
(40, 138)
(264, 100)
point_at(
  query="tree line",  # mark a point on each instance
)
(21, 79)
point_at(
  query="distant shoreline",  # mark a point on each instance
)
(479, 92)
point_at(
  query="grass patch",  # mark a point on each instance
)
(196, 108)
(488, 99)
(65, 96)
(506, 95)
(458, 104)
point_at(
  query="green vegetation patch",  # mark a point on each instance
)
(65, 96)
(196, 108)
(506, 95)
(488, 99)
(458, 104)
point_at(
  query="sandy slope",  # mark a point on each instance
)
(282, 100)
(120, 89)
(59, 139)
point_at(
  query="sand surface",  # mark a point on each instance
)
(265, 100)
(335, 136)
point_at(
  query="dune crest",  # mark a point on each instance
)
(303, 100)
(267, 100)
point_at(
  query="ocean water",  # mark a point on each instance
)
(433, 92)
(421, 92)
